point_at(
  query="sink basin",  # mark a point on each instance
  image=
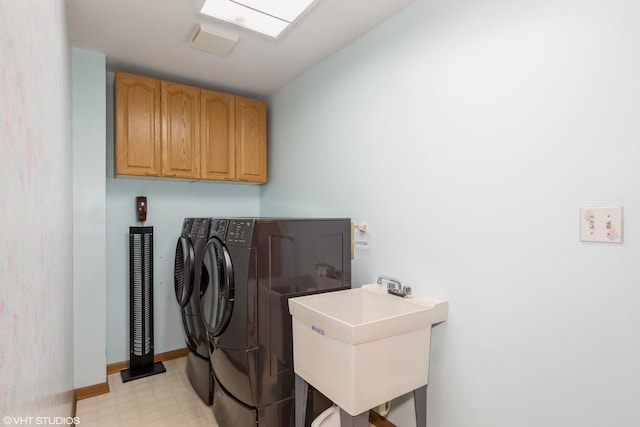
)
(362, 347)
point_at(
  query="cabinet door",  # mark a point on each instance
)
(251, 140)
(217, 133)
(180, 131)
(137, 125)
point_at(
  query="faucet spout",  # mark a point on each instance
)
(394, 286)
(389, 280)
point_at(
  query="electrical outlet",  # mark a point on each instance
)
(602, 225)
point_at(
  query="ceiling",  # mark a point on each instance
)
(153, 37)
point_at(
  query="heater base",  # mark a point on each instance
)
(130, 375)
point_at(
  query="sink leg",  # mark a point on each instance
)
(361, 420)
(420, 402)
(302, 391)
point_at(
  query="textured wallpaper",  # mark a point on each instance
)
(36, 331)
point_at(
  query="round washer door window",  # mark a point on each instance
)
(183, 271)
(217, 299)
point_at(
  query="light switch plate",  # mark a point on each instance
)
(601, 224)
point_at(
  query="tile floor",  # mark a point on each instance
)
(160, 400)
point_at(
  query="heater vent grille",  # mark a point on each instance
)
(141, 356)
(142, 284)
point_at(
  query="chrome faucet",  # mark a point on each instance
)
(389, 280)
(394, 286)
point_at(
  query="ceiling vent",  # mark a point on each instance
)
(213, 41)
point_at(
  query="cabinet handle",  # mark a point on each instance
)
(243, 179)
(169, 174)
(152, 173)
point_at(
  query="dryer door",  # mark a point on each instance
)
(183, 271)
(216, 301)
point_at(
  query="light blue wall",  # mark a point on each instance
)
(36, 210)
(468, 135)
(169, 201)
(89, 210)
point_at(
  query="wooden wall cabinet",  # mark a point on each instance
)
(217, 130)
(251, 140)
(137, 123)
(180, 107)
(173, 130)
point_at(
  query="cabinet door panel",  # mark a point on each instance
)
(137, 123)
(180, 130)
(251, 140)
(217, 123)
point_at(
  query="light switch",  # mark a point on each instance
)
(602, 225)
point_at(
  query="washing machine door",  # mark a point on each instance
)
(183, 271)
(216, 301)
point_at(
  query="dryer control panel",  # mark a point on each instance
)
(240, 231)
(237, 232)
(199, 228)
(219, 228)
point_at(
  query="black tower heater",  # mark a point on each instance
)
(141, 363)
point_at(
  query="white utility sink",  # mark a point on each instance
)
(362, 347)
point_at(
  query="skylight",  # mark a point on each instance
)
(270, 17)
